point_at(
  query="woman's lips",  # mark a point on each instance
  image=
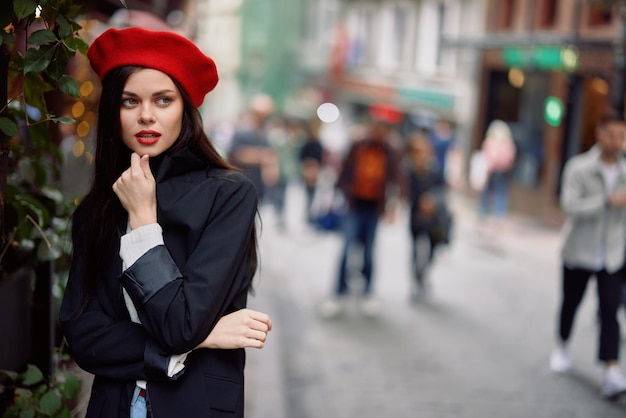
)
(147, 138)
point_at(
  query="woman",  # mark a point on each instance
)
(499, 151)
(429, 217)
(164, 242)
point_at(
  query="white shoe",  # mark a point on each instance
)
(370, 307)
(331, 308)
(614, 384)
(560, 361)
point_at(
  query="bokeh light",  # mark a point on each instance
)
(328, 112)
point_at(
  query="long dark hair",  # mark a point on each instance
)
(100, 219)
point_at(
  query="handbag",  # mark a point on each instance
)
(479, 172)
(442, 230)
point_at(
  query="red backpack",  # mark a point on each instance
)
(370, 173)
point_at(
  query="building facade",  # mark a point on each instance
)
(549, 69)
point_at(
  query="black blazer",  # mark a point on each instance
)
(180, 291)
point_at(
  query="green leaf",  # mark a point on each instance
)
(23, 396)
(42, 37)
(50, 403)
(70, 388)
(24, 8)
(10, 374)
(8, 127)
(59, 119)
(63, 413)
(68, 86)
(34, 88)
(40, 390)
(38, 59)
(65, 27)
(38, 211)
(124, 3)
(11, 412)
(28, 413)
(32, 375)
(77, 44)
(58, 64)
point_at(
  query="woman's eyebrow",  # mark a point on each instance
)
(156, 93)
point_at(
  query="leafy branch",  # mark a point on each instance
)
(34, 396)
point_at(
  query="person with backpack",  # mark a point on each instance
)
(369, 179)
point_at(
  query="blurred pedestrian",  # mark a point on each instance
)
(593, 196)
(250, 148)
(285, 140)
(443, 139)
(311, 162)
(498, 150)
(164, 242)
(369, 179)
(429, 218)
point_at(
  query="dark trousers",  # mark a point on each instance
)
(421, 263)
(358, 227)
(609, 299)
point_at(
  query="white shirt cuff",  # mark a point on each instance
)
(177, 364)
(139, 241)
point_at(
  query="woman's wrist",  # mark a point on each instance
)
(138, 220)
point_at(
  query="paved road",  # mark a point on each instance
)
(477, 347)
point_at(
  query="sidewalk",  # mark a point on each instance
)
(479, 346)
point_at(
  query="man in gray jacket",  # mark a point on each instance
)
(593, 196)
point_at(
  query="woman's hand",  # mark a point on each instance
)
(136, 190)
(240, 329)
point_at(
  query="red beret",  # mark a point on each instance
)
(169, 52)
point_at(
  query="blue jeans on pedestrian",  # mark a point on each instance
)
(358, 227)
(494, 199)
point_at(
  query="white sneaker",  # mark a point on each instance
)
(560, 361)
(331, 308)
(614, 384)
(370, 307)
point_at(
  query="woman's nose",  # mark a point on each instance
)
(146, 115)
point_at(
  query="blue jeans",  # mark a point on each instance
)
(358, 226)
(138, 405)
(494, 199)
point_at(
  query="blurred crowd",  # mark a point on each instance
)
(382, 168)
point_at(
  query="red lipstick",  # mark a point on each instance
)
(147, 137)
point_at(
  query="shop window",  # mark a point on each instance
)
(599, 15)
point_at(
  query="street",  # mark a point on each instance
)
(477, 346)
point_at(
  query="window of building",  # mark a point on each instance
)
(361, 52)
(599, 15)
(504, 14)
(401, 35)
(399, 30)
(441, 19)
(547, 13)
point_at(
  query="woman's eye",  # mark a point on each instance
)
(164, 100)
(128, 101)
